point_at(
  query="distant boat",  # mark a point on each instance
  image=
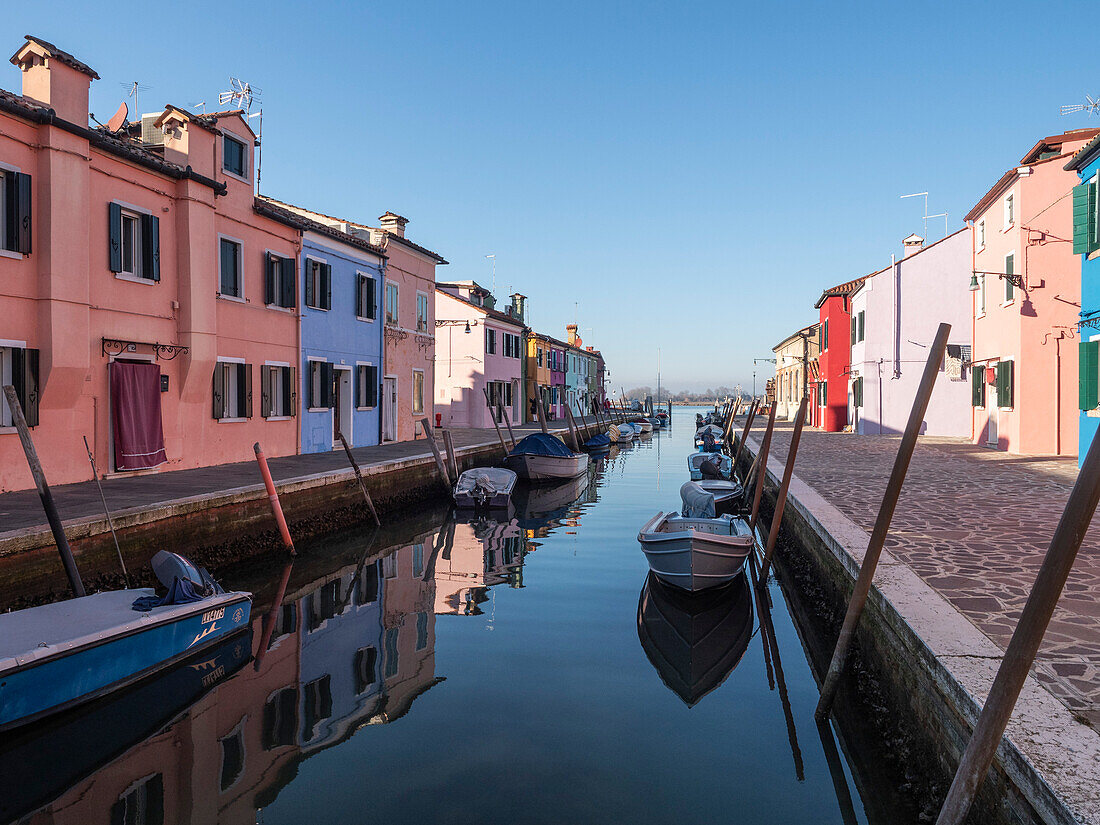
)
(543, 457)
(715, 432)
(722, 465)
(694, 641)
(484, 488)
(644, 423)
(619, 433)
(601, 442)
(56, 656)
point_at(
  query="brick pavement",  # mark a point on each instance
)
(974, 524)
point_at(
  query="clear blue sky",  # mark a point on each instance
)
(691, 175)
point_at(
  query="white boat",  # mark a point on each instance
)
(543, 457)
(484, 487)
(726, 493)
(638, 431)
(715, 432)
(724, 464)
(695, 553)
(645, 424)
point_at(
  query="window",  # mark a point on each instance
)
(859, 326)
(317, 705)
(366, 666)
(421, 312)
(318, 277)
(421, 630)
(857, 392)
(232, 390)
(133, 243)
(977, 386)
(853, 329)
(824, 342)
(19, 368)
(511, 345)
(418, 391)
(1010, 209)
(277, 391)
(538, 356)
(230, 265)
(1010, 269)
(389, 566)
(15, 211)
(981, 294)
(824, 390)
(1086, 225)
(390, 642)
(232, 758)
(234, 155)
(491, 341)
(320, 385)
(1089, 369)
(418, 559)
(366, 386)
(280, 725)
(279, 285)
(141, 804)
(1004, 375)
(981, 235)
(391, 304)
(366, 302)
(366, 588)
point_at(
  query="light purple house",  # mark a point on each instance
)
(895, 314)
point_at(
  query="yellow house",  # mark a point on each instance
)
(538, 372)
(795, 365)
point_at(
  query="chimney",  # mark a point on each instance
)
(55, 79)
(914, 243)
(519, 305)
(394, 224)
(571, 329)
(186, 141)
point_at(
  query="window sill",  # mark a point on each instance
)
(1008, 228)
(134, 279)
(979, 316)
(1007, 303)
(319, 409)
(277, 308)
(6, 430)
(279, 418)
(365, 409)
(230, 420)
(318, 309)
(365, 319)
(235, 298)
(8, 253)
(230, 174)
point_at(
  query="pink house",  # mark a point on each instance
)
(1026, 292)
(478, 349)
(134, 308)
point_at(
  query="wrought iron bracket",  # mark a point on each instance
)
(395, 334)
(424, 342)
(1092, 322)
(1013, 278)
(162, 352)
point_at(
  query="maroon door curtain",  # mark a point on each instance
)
(135, 415)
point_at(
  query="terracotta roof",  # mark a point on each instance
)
(1054, 143)
(807, 330)
(61, 56)
(845, 288)
(492, 313)
(264, 206)
(1083, 156)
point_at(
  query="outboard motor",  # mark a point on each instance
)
(482, 490)
(709, 444)
(711, 468)
(172, 567)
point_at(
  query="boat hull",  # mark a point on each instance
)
(683, 554)
(547, 467)
(62, 676)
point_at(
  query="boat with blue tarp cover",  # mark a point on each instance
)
(597, 443)
(56, 656)
(544, 457)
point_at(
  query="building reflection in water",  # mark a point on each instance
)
(351, 649)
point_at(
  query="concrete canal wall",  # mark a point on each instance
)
(933, 669)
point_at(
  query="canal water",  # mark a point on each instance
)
(449, 672)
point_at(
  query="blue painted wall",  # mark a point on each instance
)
(339, 337)
(1090, 302)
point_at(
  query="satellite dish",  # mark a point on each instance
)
(118, 118)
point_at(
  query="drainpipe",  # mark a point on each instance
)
(973, 328)
(303, 375)
(896, 267)
(382, 352)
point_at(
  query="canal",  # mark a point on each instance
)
(439, 671)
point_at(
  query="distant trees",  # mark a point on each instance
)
(683, 396)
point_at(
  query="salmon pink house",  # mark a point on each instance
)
(134, 310)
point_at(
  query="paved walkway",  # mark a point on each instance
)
(22, 509)
(974, 524)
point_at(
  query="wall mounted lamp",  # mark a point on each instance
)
(456, 323)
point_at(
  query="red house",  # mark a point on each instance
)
(835, 305)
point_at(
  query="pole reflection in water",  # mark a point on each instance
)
(555, 716)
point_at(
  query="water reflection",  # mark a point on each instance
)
(694, 640)
(212, 740)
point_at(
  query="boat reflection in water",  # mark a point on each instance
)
(543, 505)
(212, 740)
(694, 640)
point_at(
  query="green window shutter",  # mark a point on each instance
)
(859, 325)
(853, 329)
(1092, 227)
(1089, 363)
(114, 236)
(266, 377)
(219, 393)
(977, 386)
(1009, 372)
(1081, 218)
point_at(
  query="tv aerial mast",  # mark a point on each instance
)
(1090, 106)
(242, 94)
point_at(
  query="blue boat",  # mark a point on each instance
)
(60, 655)
(598, 443)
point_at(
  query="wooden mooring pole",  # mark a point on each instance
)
(449, 446)
(106, 511)
(762, 469)
(1024, 644)
(572, 429)
(507, 423)
(496, 426)
(781, 499)
(444, 476)
(542, 412)
(359, 479)
(745, 432)
(882, 523)
(48, 504)
(273, 499)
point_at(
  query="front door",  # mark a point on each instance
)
(389, 408)
(991, 412)
(341, 406)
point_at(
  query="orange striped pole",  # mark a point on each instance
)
(273, 498)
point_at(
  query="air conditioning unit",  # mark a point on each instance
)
(150, 134)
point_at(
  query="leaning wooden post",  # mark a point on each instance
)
(542, 412)
(745, 432)
(359, 478)
(1024, 644)
(882, 523)
(493, 418)
(272, 616)
(572, 429)
(448, 444)
(781, 501)
(48, 504)
(762, 470)
(427, 427)
(273, 499)
(507, 423)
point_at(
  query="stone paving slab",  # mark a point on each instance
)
(22, 511)
(974, 524)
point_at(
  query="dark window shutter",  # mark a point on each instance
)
(372, 386)
(114, 236)
(9, 232)
(266, 377)
(977, 385)
(219, 391)
(271, 273)
(24, 363)
(1008, 369)
(853, 329)
(360, 288)
(859, 325)
(21, 237)
(999, 378)
(244, 377)
(326, 289)
(1087, 353)
(287, 272)
(326, 384)
(150, 247)
(311, 268)
(372, 299)
(291, 390)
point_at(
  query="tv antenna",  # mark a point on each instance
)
(1090, 106)
(240, 94)
(926, 216)
(135, 90)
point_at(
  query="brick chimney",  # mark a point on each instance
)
(519, 305)
(187, 142)
(394, 224)
(55, 79)
(571, 330)
(914, 243)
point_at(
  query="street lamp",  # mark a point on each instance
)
(455, 323)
